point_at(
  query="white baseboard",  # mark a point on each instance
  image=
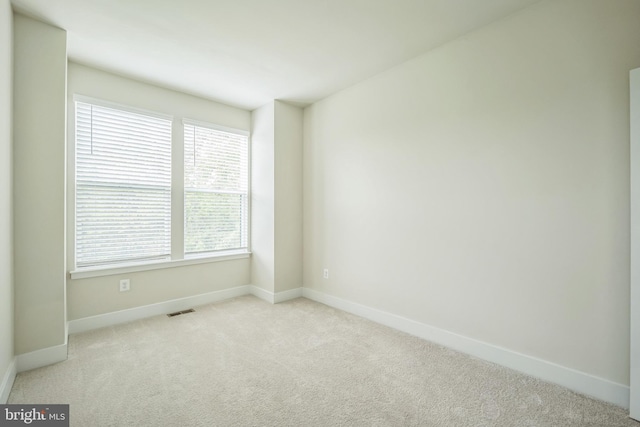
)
(123, 316)
(287, 295)
(7, 381)
(263, 294)
(43, 357)
(276, 297)
(578, 381)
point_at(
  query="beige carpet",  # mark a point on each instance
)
(245, 362)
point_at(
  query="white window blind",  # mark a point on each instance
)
(123, 186)
(216, 189)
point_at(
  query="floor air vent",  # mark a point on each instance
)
(177, 313)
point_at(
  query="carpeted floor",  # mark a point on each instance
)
(245, 362)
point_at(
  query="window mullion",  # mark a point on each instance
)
(177, 192)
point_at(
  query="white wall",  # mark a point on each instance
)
(482, 188)
(39, 100)
(263, 197)
(288, 196)
(634, 155)
(6, 259)
(276, 195)
(92, 296)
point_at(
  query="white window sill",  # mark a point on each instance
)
(85, 273)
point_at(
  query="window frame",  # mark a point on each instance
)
(114, 181)
(177, 256)
(246, 134)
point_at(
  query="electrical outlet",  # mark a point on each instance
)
(125, 285)
(325, 273)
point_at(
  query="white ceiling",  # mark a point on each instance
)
(249, 52)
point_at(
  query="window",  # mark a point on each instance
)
(123, 186)
(216, 181)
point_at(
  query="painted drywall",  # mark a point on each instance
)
(276, 197)
(634, 194)
(483, 187)
(288, 196)
(89, 81)
(39, 168)
(6, 199)
(99, 295)
(263, 197)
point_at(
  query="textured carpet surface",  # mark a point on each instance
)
(245, 362)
